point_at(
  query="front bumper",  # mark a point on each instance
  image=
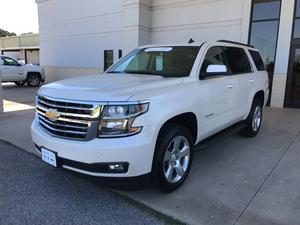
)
(136, 151)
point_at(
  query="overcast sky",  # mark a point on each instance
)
(19, 16)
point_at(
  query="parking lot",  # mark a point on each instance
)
(233, 181)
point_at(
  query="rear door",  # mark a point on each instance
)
(242, 76)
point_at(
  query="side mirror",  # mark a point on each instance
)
(214, 70)
(21, 62)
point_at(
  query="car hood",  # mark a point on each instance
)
(108, 87)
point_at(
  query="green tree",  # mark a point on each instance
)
(4, 33)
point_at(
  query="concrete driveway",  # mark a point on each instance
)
(233, 181)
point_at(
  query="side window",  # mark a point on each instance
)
(237, 60)
(9, 61)
(214, 56)
(259, 63)
(108, 58)
(120, 53)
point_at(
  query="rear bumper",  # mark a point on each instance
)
(93, 157)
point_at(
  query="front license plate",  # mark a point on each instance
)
(49, 157)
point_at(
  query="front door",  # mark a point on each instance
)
(293, 83)
(11, 70)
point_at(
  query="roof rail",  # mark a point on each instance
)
(237, 43)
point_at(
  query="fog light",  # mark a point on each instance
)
(116, 167)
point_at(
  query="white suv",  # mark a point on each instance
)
(146, 113)
(12, 71)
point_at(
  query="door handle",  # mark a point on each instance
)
(251, 81)
(230, 86)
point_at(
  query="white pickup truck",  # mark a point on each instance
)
(145, 114)
(12, 71)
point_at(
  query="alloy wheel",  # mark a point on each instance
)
(177, 159)
(257, 117)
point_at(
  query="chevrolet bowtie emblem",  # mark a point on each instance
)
(52, 114)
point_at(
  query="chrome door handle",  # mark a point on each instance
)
(251, 81)
(230, 86)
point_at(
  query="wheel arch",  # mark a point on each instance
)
(260, 95)
(33, 72)
(188, 120)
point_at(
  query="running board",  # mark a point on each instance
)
(202, 145)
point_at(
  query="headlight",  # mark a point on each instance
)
(117, 120)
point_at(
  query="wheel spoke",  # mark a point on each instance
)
(184, 152)
(169, 172)
(168, 156)
(177, 142)
(256, 121)
(253, 124)
(179, 170)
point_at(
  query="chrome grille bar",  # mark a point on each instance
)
(63, 119)
(76, 119)
(62, 125)
(68, 114)
(52, 105)
(62, 130)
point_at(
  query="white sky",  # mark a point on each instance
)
(19, 16)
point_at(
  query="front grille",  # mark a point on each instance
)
(74, 119)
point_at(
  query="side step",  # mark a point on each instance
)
(219, 136)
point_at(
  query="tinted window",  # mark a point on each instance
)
(108, 58)
(259, 63)
(297, 21)
(214, 56)
(237, 60)
(297, 28)
(264, 38)
(298, 8)
(120, 53)
(266, 9)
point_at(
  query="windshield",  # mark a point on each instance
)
(162, 61)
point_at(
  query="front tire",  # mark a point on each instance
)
(33, 80)
(254, 120)
(173, 157)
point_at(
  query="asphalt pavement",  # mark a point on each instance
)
(34, 193)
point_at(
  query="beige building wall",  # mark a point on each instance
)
(202, 20)
(76, 39)
(60, 73)
(21, 47)
(31, 40)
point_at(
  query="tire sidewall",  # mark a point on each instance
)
(165, 137)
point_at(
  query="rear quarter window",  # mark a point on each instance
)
(259, 63)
